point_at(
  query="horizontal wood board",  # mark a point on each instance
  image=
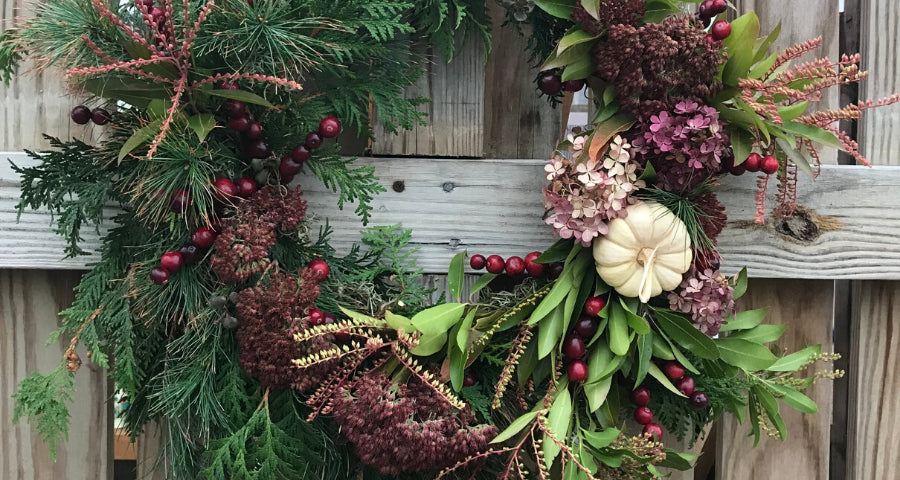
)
(495, 206)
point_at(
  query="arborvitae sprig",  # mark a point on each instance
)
(357, 184)
(440, 20)
(44, 400)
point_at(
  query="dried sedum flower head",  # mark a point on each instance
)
(611, 12)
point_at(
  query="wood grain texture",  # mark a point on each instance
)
(455, 114)
(806, 306)
(150, 450)
(495, 206)
(879, 43)
(29, 304)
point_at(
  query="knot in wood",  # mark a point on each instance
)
(399, 186)
(448, 186)
(800, 226)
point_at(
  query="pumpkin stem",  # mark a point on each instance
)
(646, 257)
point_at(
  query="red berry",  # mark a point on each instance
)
(81, 114)
(654, 430)
(721, 30)
(640, 396)
(643, 415)
(495, 264)
(257, 149)
(515, 266)
(204, 237)
(753, 162)
(100, 116)
(343, 336)
(235, 108)
(171, 261)
(288, 167)
(578, 371)
(188, 253)
(180, 201)
(719, 6)
(313, 140)
(239, 124)
(686, 385)
(550, 83)
(329, 127)
(157, 14)
(593, 305)
(477, 262)
(673, 370)
(329, 319)
(769, 165)
(737, 170)
(159, 275)
(573, 85)
(556, 269)
(699, 400)
(320, 268)
(300, 153)
(246, 187)
(286, 180)
(586, 327)
(254, 130)
(710, 38)
(147, 3)
(706, 9)
(573, 347)
(316, 317)
(224, 189)
(534, 269)
(470, 379)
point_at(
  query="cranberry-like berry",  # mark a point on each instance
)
(157, 14)
(246, 187)
(640, 396)
(654, 430)
(593, 305)
(313, 140)
(254, 130)
(477, 262)
(573, 347)
(204, 237)
(80, 114)
(329, 127)
(573, 85)
(550, 83)
(710, 38)
(586, 327)
(534, 269)
(257, 149)
(180, 201)
(343, 336)
(578, 371)
(556, 269)
(188, 253)
(320, 268)
(673, 370)
(643, 415)
(286, 180)
(470, 379)
(495, 264)
(239, 124)
(706, 9)
(686, 385)
(699, 399)
(100, 116)
(235, 108)
(224, 189)
(769, 165)
(159, 275)
(719, 6)
(753, 162)
(721, 30)
(300, 153)
(288, 167)
(171, 261)
(316, 317)
(515, 266)
(329, 319)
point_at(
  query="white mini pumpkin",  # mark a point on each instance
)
(645, 253)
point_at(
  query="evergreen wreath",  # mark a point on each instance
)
(215, 308)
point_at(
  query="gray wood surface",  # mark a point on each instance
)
(29, 304)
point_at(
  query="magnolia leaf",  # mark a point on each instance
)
(242, 95)
(515, 427)
(760, 334)
(745, 320)
(796, 360)
(557, 8)
(578, 70)
(685, 334)
(745, 354)
(430, 344)
(559, 419)
(398, 322)
(597, 392)
(550, 330)
(455, 275)
(573, 37)
(139, 137)
(202, 124)
(462, 337)
(457, 359)
(618, 330)
(437, 319)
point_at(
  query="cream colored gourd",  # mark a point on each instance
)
(645, 253)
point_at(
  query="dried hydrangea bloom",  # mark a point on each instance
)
(705, 295)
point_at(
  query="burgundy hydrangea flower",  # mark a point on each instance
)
(406, 427)
(712, 218)
(705, 295)
(611, 12)
(685, 146)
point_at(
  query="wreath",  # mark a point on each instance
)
(215, 307)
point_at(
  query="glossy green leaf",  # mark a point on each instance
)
(455, 275)
(740, 285)
(763, 44)
(635, 321)
(743, 354)
(645, 351)
(558, 420)
(557, 252)
(515, 427)
(430, 344)
(618, 330)
(457, 367)
(578, 70)
(573, 37)
(570, 56)
(592, 7)
(550, 331)
(608, 413)
(437, 319)
(677, 460)
(462, 338)
(202, 124)
(557, 8)
(683, 332)
(242, 95)
(558, 293)
(482, 282)
(597, 393)
(761, 334)
(661, 349)
(745, 320)
(741, 143)
(601, 439)
(799, 160)
(795, 399)
(762, 67)
(791, 112)
(770, 405)
(796, 360)
(139, 137)
(740, 47)
(398, 322)
(599, 357)
(816, 134)
(527, 361)
(661, 377)
(682, 359)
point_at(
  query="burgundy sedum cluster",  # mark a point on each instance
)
(611, 12)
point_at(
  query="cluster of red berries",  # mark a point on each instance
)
(239, 120)
(707, 11)
(82, 115)
(685, 384)
(574, 345)
(315, 316)
(640, 396)
(757, 163)
(171, 262)
(515, 266)
(329, 127)
(550, 83)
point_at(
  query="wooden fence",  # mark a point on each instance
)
(471, 180)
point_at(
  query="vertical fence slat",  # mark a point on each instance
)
(30, 301)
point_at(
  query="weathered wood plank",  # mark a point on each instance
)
(151, 447)
(494, 206)
(29, 304)
(807, 307)
(879, 44)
